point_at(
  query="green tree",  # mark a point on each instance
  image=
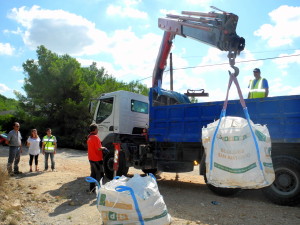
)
(58, 93)
(193, 99)
(7, 104)
(8, 107)
(55, 96)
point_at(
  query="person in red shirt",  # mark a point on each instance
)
(95, 155)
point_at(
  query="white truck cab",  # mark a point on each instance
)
(121, 112)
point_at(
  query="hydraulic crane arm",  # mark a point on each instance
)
(215, 29)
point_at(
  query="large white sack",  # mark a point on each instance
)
(119, 208)
(235, 161)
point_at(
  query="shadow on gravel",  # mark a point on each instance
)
(186, 187)
(195, 202)
(28, 174)
(75, 194)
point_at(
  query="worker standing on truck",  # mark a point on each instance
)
(259, 87)
(95, 155)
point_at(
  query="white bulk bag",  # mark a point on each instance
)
(238, 152)
(235, 158)
(133, 200)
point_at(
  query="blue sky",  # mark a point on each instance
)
(123, 37)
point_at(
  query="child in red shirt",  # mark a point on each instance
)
(95, 155)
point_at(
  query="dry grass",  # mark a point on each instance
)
(8, 214)
(3, 177)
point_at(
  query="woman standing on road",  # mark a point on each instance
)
(33, 142)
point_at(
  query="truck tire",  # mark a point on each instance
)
(285, 190)
(222, 191)
(108, 163)
(153, 171)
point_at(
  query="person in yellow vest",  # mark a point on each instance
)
(49, 147)
(259, 87)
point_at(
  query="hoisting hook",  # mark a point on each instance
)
(231, 56)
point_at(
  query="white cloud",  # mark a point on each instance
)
(59, 31)
(181, 79)
(294, 91)
(287, 59)
(166, 11)
(199, 2)
(277, 88)
(134, 55)
(131, 2)
(62, 32)
(18, 31)
(4, 88)
(109, 67)
(211, 62)
(217, 61)
(284, 73)
(6, 49)
(126, 8)
(286, 20)
(212, 73)
(249, 58)
(17, 68)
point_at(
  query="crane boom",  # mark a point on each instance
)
(215, 29)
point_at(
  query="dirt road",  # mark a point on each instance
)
(59, 197)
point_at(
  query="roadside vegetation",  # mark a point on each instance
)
(58, 91)
(8, 194)
(8, 107)
(57, 95)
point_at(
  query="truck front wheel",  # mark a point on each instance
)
(108, 164)
(285, 190)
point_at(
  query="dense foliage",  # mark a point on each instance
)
(8, 107)
(58, 91)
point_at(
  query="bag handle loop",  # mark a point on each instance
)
(136, 204)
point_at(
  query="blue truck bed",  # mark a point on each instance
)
(183, 122)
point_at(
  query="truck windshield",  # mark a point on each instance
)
(105, 109)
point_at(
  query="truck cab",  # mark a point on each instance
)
(121, 112)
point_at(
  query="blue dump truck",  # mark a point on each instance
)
(176, 132)
(173, 139)
(162, 132)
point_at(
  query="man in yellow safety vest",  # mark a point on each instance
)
(259, 87)
(49, 147)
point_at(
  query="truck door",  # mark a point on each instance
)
(105, 117)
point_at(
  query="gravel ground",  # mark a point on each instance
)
(60, 198)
